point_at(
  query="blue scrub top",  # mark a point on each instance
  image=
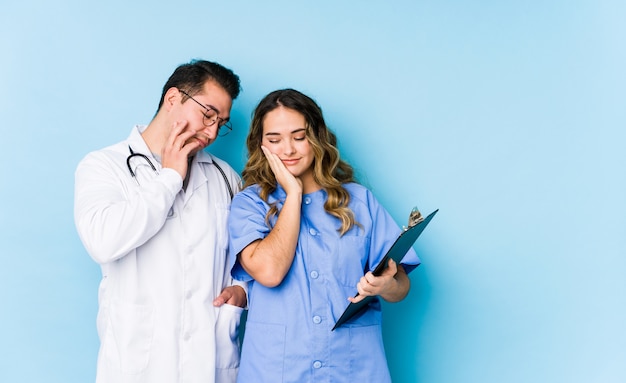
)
(288, 335)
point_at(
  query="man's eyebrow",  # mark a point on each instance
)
(212, 107)
(217, 111)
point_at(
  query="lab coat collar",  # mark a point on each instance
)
(197, 177)
(136, 141)
(203, 156)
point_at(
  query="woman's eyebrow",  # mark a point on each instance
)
(278, 134)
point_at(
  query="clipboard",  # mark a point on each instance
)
(397, 251)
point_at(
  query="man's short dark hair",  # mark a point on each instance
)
(192, 76)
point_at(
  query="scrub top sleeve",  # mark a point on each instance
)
(246, 224)
(385, 231)
(410, 261)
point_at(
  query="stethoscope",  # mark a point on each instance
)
(141, 155)
(144, 157)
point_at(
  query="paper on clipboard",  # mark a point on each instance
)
(397, 251)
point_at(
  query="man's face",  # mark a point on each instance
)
(213, 103)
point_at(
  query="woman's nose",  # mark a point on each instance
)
(289, 148)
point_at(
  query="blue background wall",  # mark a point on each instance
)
(508, 116)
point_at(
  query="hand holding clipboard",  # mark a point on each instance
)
(398, 250)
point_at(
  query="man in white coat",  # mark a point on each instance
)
(152, 211)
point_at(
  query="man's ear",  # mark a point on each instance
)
(172, 96)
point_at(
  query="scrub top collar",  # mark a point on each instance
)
(279, 195)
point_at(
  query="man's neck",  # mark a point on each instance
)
(155, 136)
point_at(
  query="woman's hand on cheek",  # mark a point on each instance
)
(288, 181)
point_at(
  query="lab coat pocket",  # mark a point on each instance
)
(227, 336)
(221, 220)
(133, 328)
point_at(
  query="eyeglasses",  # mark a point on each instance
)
(210, 117)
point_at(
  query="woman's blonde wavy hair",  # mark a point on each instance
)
(330, 171)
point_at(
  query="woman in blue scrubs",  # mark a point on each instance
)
(306, 236)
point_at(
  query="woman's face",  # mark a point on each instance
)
(284, 134)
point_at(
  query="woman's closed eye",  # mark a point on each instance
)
(278, 140)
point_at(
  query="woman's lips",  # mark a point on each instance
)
(290, 162)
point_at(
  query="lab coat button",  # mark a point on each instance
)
(317, 364)
(312, 231)
(307, 200)
(314, 274)
(317, 319)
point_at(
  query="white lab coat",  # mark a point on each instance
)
(162, 252)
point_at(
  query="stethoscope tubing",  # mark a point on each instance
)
(134, 176)
(133, 154)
